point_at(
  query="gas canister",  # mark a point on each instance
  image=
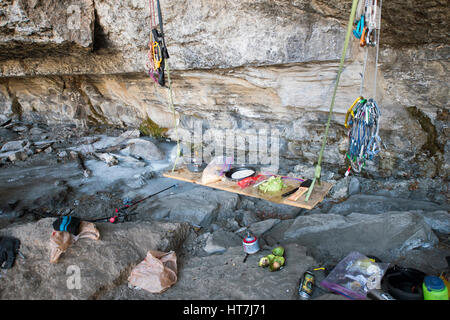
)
(250, 244)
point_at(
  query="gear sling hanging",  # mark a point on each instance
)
(157, 53)
(364, 142)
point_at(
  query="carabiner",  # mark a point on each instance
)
(359, 28)
(362, 42)
(350, 110)
(157, 57)
(371, 37)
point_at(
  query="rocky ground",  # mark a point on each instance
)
(60, 170)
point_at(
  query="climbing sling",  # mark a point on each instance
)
(157, 53)
(341, 65)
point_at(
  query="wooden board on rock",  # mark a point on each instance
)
(317, 196)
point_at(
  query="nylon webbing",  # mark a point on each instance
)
(341, 65)
(376, 58)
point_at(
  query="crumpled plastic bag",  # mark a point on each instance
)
(60, 241)
(354, 276)
(156, 273)
(215, 170)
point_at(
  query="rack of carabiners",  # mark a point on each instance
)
(363, 129)
(363, 125)
(157, 52)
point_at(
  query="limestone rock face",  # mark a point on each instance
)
(38, 28)
(240, 66)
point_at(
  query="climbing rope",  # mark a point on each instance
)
(341, 66)
(172, 108)
(158, 63)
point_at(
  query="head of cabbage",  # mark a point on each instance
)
(273, 184)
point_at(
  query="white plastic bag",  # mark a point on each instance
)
(354, 276)
(215, 170)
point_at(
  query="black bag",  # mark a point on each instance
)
(403, 283)
(67, 223)
(9, 247)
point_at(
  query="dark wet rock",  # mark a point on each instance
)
(220, 240)
(249, 217)
(354, 186)
(373, 204)
(7, 135)
(260, 228)
(200, 206)
(437, 220)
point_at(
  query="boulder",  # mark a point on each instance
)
(220, 240)
(259, 228)
(199, 206)
(17, 156)
(14, 145)
(7, 135)
(354, 186)
(438, 220)
(143, 149)
(36, 131)
(340, 189)
(249, 217)
(387, 235)
(100, 264)
(195, 211)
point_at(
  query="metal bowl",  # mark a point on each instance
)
(230, 172)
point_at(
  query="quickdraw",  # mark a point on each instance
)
(366, 27)
(157, 46)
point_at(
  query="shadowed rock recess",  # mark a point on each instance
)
(74, 89)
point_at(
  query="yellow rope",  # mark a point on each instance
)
(341, 66)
